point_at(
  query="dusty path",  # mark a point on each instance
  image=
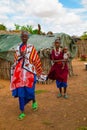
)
(53, 113)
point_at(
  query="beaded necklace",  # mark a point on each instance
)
(57, 52)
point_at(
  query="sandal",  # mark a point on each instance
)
(66, 96)
(35, 106)
(59, 95)
(21, 116)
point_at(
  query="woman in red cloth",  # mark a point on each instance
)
(26, 66)
(56, 72)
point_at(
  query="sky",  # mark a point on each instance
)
(58, 16)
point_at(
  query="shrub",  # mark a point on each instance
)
(2, 27)
(82, 128)
(83, 57)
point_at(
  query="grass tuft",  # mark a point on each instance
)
(41, 91)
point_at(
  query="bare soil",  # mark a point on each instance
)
(53, 113)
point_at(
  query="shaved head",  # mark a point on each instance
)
(24, 33)
(24, 36)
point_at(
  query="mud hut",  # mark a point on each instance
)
(43, 44)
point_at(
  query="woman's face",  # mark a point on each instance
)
(24, 38)
(57, 44)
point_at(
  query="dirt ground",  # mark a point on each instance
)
(53, 113)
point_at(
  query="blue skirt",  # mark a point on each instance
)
(60, 84)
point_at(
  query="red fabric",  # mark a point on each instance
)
(21, 77)
(56, 72)
(23, 48)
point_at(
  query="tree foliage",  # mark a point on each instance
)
(2, 27)
(17, 26)
(84, 36)
(27, 28)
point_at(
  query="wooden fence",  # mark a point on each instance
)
(5, 69)
(82, 48)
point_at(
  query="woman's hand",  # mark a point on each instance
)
(23, 53)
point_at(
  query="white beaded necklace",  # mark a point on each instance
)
(57, 52)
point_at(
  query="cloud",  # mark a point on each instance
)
(84, 3)
(51, 14)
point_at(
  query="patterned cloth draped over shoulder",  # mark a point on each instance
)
(27, 64)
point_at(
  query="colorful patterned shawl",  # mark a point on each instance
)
(25, 67)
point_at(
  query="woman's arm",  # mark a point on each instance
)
(62, 60)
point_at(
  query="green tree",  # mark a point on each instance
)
(24, 28)
(28, 28)
(17, 26)
(2, 27)
(84, 36)
(35, 31)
